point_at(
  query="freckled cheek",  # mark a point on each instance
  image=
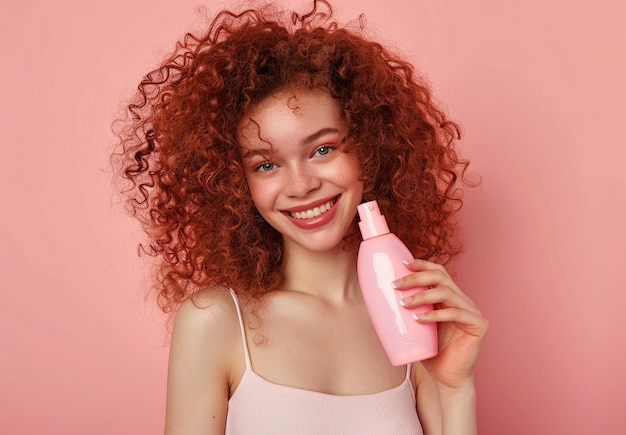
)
(263, 194)
(349, 172)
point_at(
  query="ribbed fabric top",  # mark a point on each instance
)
(259, 406)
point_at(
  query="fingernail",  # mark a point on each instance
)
(419, 316)
(404, 301)
(407, 262)
(396, 283)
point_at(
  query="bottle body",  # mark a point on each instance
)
(404, 339)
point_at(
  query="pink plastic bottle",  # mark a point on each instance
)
(379, 263)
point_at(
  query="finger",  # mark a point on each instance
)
(477, 324)
(431, 278)
(442, 295)
(418, 264)
(424, 278)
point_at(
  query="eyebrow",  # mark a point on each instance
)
(307, 140)
(259, 152)
(320, 133)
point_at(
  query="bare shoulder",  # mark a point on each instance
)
(205, 345)
(207, 319)
(206, 328)
(205, 310)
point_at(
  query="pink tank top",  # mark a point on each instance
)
(259, 406)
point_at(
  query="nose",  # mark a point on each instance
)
(302, 180)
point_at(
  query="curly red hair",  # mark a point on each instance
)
(179, 151)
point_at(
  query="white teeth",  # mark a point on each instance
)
(314, 212)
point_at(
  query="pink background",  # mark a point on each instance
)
(539, 89)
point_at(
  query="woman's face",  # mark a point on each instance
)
(301, 182)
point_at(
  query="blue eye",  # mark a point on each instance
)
(322, 151)
(265, 167)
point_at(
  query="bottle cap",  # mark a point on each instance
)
(372, 223)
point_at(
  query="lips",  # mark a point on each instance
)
(313, 212)
(313, 215)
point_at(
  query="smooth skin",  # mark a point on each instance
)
(314, 333)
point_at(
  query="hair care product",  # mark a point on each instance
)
(380, 262)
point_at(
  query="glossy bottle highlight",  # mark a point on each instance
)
(380, 258)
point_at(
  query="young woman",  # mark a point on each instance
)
(247, 153)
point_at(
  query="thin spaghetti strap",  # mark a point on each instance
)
(243, 331)
(408, 371)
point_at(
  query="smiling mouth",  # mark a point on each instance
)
(314, 212)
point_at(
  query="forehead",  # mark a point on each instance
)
(290, 115)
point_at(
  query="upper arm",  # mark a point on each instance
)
(427, 398)
(199, 365)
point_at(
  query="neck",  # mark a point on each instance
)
(329, 275)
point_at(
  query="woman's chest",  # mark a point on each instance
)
(328, 349)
